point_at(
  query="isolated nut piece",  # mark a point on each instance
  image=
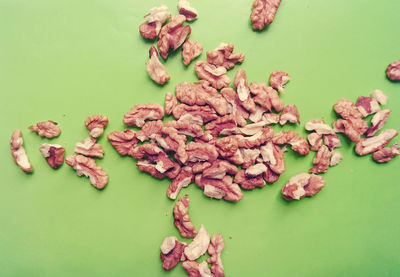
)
(223, 56)
(367, 105)
(319, 126)
(214, 250)
(182, 219)
(183, 179)
(379, 96)
(335, 158)
(185, 9)
(190, 50)
(199, 245)
(155, 19)
(48, 129)
(377, 122)
(171, 252)
(278, 80)
(393, 71)
(54, 154)
(142, 112)
(216, 76)
(88, 167)
(196, 269)
(321, 160)
(263, 13)
(156, 69)
(315, 141)
(346, 109)
(386, 154)
(18, 152)
(96, 124)
(290, 114)
(124, 141)
(302, 185)
(89, 147)
(372, 144)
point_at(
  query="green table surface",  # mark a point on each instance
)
(64, 60)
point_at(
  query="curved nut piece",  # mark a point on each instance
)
(266, 134)
(18, 152)
(273, 156)
(373, 144)
(278, 80)
(148, 30)
(219, 189)
(346, 109)
(225, 125)
(379, 96)
(123, 142)
(168, 244)
(54, 154)
(185, 9)
(335, 158)
(89, 147)
(299, 144)
(319, 126)
(171, 252)
(235, 106)
(377, 122)
(140, 113)
(243, 91)
(249, 183)
(185, 127)
(270, 176)
(48, 129)
(96, 124)
(199, 245)
(191, 49)
(214, 250)
(393, 71)
(266, 97)
(88, 167)
(195, 269)
(156, 69)
(227, 146)
(155, 19)
(367, 105)
(386, 154)
(332, 141)
(206, 113)
(315, 141)
(321, 160)
(173, 35)
(216, 76)
(353, 128)
(255, 170)
(270, 118)
(302, 185)
(291, 114)
(223, 56)
(182, 180)
(201, 152)
(150, 130)
(219, 169)
(263, 13)
(182, 219)
(170, 103)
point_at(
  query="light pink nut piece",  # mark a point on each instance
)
(393, 71)
(319, 126)
(190, 50)
(185, 9)
(216, 76)
(377, 122)
(235, 106)
(148, 30)
(214, 250)
(173, 35)
(354, 128)
(315, 141)
(156, 70)
(219, 189)
(206, 113)
(227, 146)
(379, 96)
(186, 127)
(88, 167)
(255, 170)
(170, 102)
(263, 13)
(386, 154)
(278, 80)
(270, 176)
(266, 97)
(182, 219)
(321, 160)
(335, 158)
(89, 147)
(219, 169)
(48, 129)
(195, 269)
(367, 105)
(372, 144)
(150, 130)
(155, 19)
(290, 114)
(18, 152)
(225, 125)
(199, 245)
(299, 144)
(302, 185)
(96, 124)
(201, 152)
(332, 141)
(223, 56)
(272, 155)
(257, 139)
(346, 109)
(54, 154)
(182, 180)
(173, 255)
(124, 141)
(252, 129)
(249, 183)
(270, 118)
(168, 244)
(140, 113)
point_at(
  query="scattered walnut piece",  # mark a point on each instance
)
(249, 183)
(270, 118)
(156, 69)
(54, 154)
(302, 185)
(171, 252)
(214, 250)
(89, 147)
(266, 97)
(255, 170)
(321, 160)
(315, 141)
(263, 13)
(148, 30)
(225, 125)
(185, 127)
(168, 244)
(332, 141)
(190, 50)
(379, 96)
(272, 155)
(319, 126)
(172, 35)
(199, 245)
(289, 114)
(346, 109)
(299, 144)
(185, 9)
(235, 106)
(216, 76)
(278, 80)
(182, 219)
(195, 269)
(150, 130)
(48, 129)
(219, 169)
(270, 176)
(218, 189)
(386, 154)
(183, 179)
(252, 129)
(206, 113)
(170, 102)
(393, 71)
(123, 142)
(139, 113)
(96, 124)
(367, 105)
(335, 158)
(377, 122)
(200, 152)
(223, 56)
(373, 144)
(88, 167)
(155, 19)
(354, 128)
(18, 152)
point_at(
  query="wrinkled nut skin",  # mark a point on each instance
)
(319, 126)
(156, 70)
(393, 71)
(199, 245)
(96, 124)
(332, 141)
(270, 176)
(266, 97)
(290, 114)
(191, 268)
(249, 183)
(386, 154)
(206, 113)
(191, 49)
(302, 185)
(200, 152)
(321, 160)
(48, 129)
(88, 167)
(367, 105)
(263, 13)
(170, 103)
(89, 147)
(346, 109)
(216, 76)
(53, 153)
(139, 113)
(183, 179)
(185, 9)
(150, 130)
(182, 219)
(223, 125)
(123, 142)
(278, 80)
(219, 189)
(155, 19)
(215, 248)
(372, 144)
(227, 146)
(298, 144)
(223, 56)
(353, 128)
(148, 30)
(18, 152)
(377, 122)
(171, 259)
(235, 106)
(315, 141)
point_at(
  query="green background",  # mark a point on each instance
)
(65, 60)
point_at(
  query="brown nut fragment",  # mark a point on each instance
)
(270, 176)
(156, 70)
(319, 126)
(200, 167)
(291, 114)
(335, 158)
(393, 71)
(214, 250)
(235, 106)
(191, 49)
(89, 147)
(367, 105)
(386, 154)
(184, 127)
(142, 112)
(272, 155)
(150, 130)
(88, 167)
(182, 180)
(299, 144)
(219, 189)
(373, 144)
(377, 122)
(255, 170)
(332, 141)
(48, 129)
(346, 109)
(302, 185)
(123, 142)
(266, 97)
(219, 169)
(185, 9)
(200, 152)
(96, 124)
(155, 19)
(315, 141)
(182, 219)
(172, 35)
(195, 269)
(227, 146)
(170, 103)
(270, 118)
(148, 30)
(171, 258)
(223, 56)
(225, 125)
(266, 134)
(263, 13)
(379, 96)
(353, 128)
(278, 80)
(206, 113)
(54, 154)
(199, 244)
(18, 152)
(249, 183)
(216, 76)
(321, 160)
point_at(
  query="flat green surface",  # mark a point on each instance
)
(64, 60)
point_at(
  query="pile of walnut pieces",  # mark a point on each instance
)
(54, 153)
(173, 251)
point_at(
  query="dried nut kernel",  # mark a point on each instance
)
(96, 124)
(252, 129)
(89, 147)
(290, 114)
(386, 154)
(156, 69)
(393, 71)
(299, 144)
(266, 97)
(171, 252)
(223, 56)
(199, 245)
(219, 169)
(321, 160)
(170, 103)
(335, 158)
(367, 105)
(377, 122)
(201, 152)
(214, 250)
(168, 244)
(319, 126)
(346, 109)
(332, 141)
(373, 144)
(182, 180)
(257, 139)
(150, 130)
(270, 118)
(263, 13)
(148, 30)
(18, 152)
(216, 76)
(88, 167)
(225, 125)
(249, 183)
(191, 49)
(270, 176)
(48, 129)
(206, 113)
(124, 141)
(379, 96)
(185, 9)
(218, 189)
(272, 155)
(302, 185)
(195, 269)
(315, 141)
(140, 113)
(182, 219)
(353, 128)
(255, 170)
(186, 127)
(155, 19)
(235, 106)
(54, 154)
(278, 80)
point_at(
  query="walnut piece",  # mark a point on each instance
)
(195, 269)
(200, 152)
(353, 128)
(335, 158)
(123, 142)
(48, 129)
(302, 185)
(367, 105)
(225, 125)
(182, 219)
(379, 96)
(393, 71)
(54, 154)
(199, 245)
(372, 144)
(332, 141)
(249, 183)
(377, 122)
(321, 160)
(150, 130)
(214, 250)
(182, 180)
(278, 80)
(290, 114)
(89, 147)
(155, 19)
(168, 244)
(272, 155)
(223, 56)
(346, 109)
(315, 141)
(171, 252)
(170, 102)
(263, 13)
(299, 144)
(96, 124)
(216, 76)
(206, 113)
(235, 106)
(18, 152)
(88, 167)
(266, 97)
(218, 189)
(156, 70)
(190, 50)
(139, 113)
(319, 126)
(386, 154)
(185, 9)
